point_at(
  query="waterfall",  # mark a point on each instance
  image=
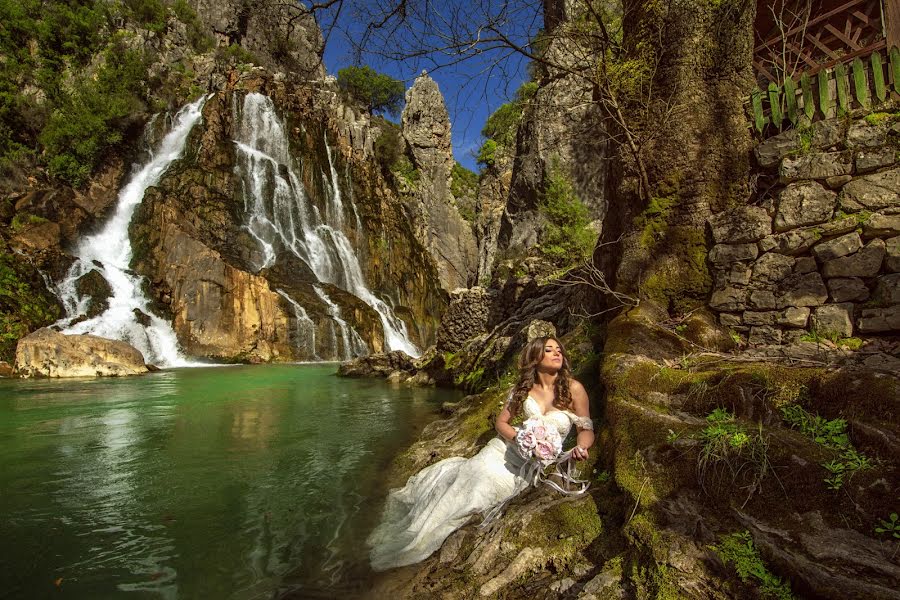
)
(353, 344)
(306, 329)
(280, 215)
(109, 252)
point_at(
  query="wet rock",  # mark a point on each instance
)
(864, 263)
(847, 289)
(37, 237)
(47, 353)
(872, 192)
(378, 365)
(95, 286)
(806, 203)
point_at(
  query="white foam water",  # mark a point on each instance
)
(281, 217)
(109, 251)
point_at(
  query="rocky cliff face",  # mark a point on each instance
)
(438, 224)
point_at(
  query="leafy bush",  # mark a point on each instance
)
(566, 238)
(487, 154)
(738, 550)
(378, 92)
(22, 309)
(501, 125)
(92, 116)
(197, 36)
(151, 14)
(463, 182)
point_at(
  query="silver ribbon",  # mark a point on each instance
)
(532, 471)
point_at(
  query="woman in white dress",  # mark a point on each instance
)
(440, 498)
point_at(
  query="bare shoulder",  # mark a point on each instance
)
(576, 388)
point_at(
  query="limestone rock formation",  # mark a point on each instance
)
(47, 353)
(438, 225)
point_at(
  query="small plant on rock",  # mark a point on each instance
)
(891, 527)
(730, 455)
(738, 550)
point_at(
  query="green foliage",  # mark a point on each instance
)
(653, 220)
(197, 36)
(831, 434)
(236, 53)
(487, 154)
(91, 117)
(501, 125)
(378, 92)
(22, 308)
(463, 182)
(404, 169)
(22, 220)
(388, 145)
(892, 527)
(728, 452)
(851, 343)
(738, 550)
(566, 239)
(151, 14)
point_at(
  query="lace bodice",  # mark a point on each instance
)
(561, 419)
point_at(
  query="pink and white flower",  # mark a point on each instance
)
(538, 441)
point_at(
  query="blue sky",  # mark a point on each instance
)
(471, 91)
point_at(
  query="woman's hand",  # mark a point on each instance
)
(579, 453)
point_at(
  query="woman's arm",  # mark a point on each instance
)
(506, 431)
(582, 409)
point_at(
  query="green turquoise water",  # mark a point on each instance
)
(195, 483)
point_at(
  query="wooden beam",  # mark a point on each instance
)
(812, 22)
(839, 35)
(891, 10)
(815, 41)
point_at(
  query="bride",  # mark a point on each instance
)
(440, 498)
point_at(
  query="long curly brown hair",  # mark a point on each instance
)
(531, 356)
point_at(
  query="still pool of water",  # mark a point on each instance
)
(195, 483)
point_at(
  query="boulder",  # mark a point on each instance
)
(892, 254)
(887, 291)
(879, 320)
(765, 336)
(772, 268)
(847, 289)
(794, 316)
(37, 237)
(881, 225)
(729, 299)
(834, 319)
(6, 369)
(872, 192)
(740, 226)
(805, 264)
(94, 286)
(724, 254)
(806, 289)
(864, 263)
(465, 318)
(47, 353)
(378, 365)
(805, 203)
(838, 247)
(762, 299)
(816, 166)
(869, 160)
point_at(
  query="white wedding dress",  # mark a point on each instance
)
(440, 498)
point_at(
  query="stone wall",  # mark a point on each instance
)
(820, 252)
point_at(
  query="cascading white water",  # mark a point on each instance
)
(109, 252)
(306, 329)
(353, 344)
(280, 215)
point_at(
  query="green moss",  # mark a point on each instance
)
(653, 220)
(487, 154)
(678, 277)
(877, 118)
(562, 531)
(24, 304)
(566, 239)
(737, 549)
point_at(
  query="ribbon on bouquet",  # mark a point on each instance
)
(532, 471)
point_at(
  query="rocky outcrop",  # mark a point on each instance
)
(437, 223)
(377, 365)
(47, 353)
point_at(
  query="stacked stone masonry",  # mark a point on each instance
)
(821, 253)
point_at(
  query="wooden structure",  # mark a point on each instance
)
(820, 58)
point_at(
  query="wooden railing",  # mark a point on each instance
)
(866, 82)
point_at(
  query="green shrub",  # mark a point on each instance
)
(197, 36)
(151, 14)
(502, 124)
(93, 115)
(463, 182)
(566, 238)
(236, 53)
(487, 154)
(378, 92)
(22, 307)
(22, 220)
(738, 550)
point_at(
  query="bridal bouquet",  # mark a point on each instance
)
(536, 440)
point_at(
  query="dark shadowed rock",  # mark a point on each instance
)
(378, 365)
